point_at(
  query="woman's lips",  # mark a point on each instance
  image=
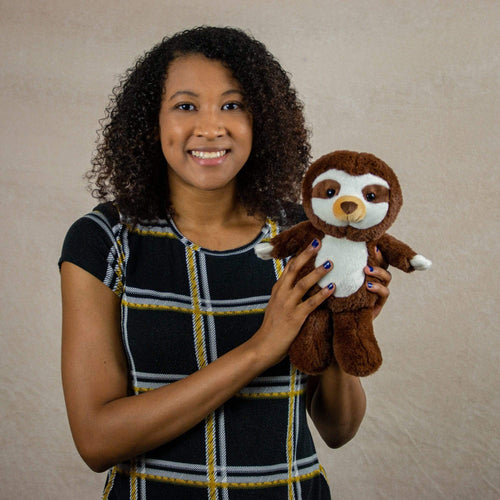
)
(204, 157)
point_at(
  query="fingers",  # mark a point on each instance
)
(287, 310)
(380, 274)
(377, 282)
(318, 298)
(297, 263)
(379, 289)
(378, 257)
(297, 289)
(308, 281)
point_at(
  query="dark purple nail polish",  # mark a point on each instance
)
(371, 269)
(315, 243)
(327, 264)
(369, 284)
(330, 286)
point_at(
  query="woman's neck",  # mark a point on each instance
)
(214, 219)
(204, 208)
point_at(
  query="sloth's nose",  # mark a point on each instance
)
(348, 207)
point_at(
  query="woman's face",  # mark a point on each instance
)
(205, 128)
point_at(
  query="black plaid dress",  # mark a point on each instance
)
(183, 306)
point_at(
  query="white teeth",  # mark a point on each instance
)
(209, 154)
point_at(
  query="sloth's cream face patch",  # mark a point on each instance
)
(340, 199)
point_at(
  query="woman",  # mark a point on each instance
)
(174, 334)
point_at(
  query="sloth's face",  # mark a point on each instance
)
(359, 201)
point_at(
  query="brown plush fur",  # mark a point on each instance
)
(348, 319)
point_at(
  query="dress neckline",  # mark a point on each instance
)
(265, 230)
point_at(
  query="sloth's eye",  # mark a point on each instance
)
(370, 196)
(330, 193)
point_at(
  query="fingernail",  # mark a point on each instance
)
(369, 284)
(370, 268)
(315, 243)
(330, 286)
(376, 249)
(327, 264)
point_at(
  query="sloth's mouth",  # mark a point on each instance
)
(354, 218)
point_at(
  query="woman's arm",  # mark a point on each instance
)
(336, 403)
(336, 400)
(108, 424)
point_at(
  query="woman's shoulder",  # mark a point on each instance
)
(92, 243)
(97, 229)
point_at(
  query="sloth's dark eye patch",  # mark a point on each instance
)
(376, 194)
(326, 189)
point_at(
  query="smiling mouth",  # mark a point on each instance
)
(208, 155)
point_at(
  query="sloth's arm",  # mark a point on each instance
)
(289, 242)
(400, 255)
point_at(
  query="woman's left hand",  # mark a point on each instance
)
(379, 285)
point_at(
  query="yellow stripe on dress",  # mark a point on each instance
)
(151, 232)
(189, 310)
(196, 310)
(291, 413)
(133, 485)
(230, 485)
(270, 395)
(202, 362)
(243, 395)
(109, 484)
(119, 269)
(278, 266)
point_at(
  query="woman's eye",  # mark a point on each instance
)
(184, 106)
(370, 196)
(330, 193)
(230, 106)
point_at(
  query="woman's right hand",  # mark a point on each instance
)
(286, 310)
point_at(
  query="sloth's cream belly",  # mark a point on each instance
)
(349, 258)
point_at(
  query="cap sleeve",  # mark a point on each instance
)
(94, 243)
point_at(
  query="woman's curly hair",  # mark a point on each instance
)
(129, 167)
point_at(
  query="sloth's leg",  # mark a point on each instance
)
(311, 351)
(354, 344)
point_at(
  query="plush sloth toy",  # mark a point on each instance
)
(350, 199)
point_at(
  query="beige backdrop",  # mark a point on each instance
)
(414, 82)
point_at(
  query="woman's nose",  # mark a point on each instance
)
(209, 125)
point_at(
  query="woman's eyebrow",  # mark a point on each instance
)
(183, 92)
(232, 91)
(194, 94)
